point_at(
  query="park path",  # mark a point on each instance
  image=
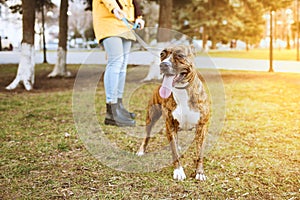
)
(145, 58)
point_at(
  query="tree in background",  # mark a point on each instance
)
(150, 15)
(42, 11)
(273, 6)
(80, 20)
(225, 20)
(60, 68)
(250, 13)
(25, 73)
(209, 19)
(165, 20)
(44, 7)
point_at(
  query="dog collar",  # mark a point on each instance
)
(184, 87)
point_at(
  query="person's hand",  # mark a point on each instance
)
(141, 23)
(119, 14)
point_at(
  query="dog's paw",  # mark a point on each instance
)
(140, 153)
(179, 174)
(200, 177)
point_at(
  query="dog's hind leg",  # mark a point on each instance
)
(201, 132)
(153, 114)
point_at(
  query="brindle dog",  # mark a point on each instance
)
(184, 104)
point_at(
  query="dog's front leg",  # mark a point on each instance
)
(178, 173)
(153, 114)
(201, 132)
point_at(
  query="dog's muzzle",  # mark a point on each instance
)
(166, 68)
(165, 65)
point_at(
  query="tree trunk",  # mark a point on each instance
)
(213, 43)
(165, 20)
(271, 43)
(204, 38)
(60, 68)
(247, 45)
(25, 72)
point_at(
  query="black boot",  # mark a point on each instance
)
(124, 111)
(115, 117)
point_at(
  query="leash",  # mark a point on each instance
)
(138, 38)
(128, 23)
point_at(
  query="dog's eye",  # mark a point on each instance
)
(183, 73)
(163, 54)
(180, 56)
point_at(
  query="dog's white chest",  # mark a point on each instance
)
(186, 117)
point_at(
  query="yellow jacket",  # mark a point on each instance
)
(106, 24)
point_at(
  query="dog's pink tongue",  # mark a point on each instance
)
(165, 89)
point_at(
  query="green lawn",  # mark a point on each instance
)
(255, 157)
(283, 54)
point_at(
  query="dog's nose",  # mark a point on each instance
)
(165, 65)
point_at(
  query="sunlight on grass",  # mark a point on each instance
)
(278, 54)
(257, 155)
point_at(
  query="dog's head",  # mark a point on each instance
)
(176, 66)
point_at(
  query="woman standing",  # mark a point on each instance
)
(116, 38)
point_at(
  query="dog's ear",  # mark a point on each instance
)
(190, 50)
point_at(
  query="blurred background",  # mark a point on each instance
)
(212, 24)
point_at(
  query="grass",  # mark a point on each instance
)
(255, 157)
(262, 54)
